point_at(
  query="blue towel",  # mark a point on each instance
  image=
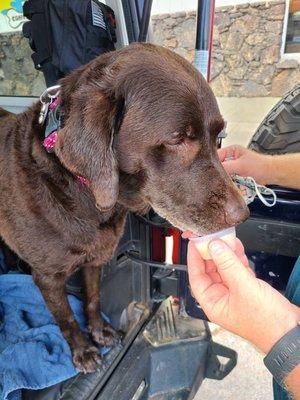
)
(33, 352)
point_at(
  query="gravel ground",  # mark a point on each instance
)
(249, 380)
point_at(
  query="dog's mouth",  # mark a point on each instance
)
(202, 218)
(194, 228)
(188, 235)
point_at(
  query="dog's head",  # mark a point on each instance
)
(141, 125)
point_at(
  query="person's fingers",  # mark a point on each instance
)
(199, 280)
(251, 272)
(222, 154)
(239, 247)
(230, 267)
(196, 264)
(233, 152)
(226, 152)
(215, 277)
(194, 258)
(245, 261)
(210, 266)
(231, 167)
(240, 252)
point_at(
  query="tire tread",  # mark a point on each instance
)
(279, 132)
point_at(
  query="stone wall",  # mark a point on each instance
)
(17, 74)
(246, 48)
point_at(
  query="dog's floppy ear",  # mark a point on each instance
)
(85, 143)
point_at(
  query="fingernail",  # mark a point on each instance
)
(216, 247)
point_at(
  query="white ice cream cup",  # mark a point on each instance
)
(202, 242)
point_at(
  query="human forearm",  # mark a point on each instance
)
(284, 170)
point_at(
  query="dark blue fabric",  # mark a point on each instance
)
(293, 294)
(33, 352)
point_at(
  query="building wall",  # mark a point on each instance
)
(171, 6)
(246, 47)
(17, 74)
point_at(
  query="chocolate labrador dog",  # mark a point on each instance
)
(140, 125)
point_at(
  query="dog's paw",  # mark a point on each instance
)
(87, 359)
(105, 335)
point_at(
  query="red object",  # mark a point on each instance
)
(158, 245)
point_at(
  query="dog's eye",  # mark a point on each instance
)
(189, 133)
(175, 139)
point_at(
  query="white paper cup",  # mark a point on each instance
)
(202, 242)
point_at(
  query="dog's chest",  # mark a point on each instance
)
(94, 233)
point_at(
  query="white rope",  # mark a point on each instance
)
(46, 98)
(250, 189)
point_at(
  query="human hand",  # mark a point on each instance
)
(231, 296)
(245, 162)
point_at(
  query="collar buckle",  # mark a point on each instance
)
(47, 98)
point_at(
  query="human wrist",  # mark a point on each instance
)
(284, 357)
(292, 381)
(276, 329)
(276, 170)
(270, 169)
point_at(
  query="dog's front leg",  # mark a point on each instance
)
(101, 332)
(85, 355)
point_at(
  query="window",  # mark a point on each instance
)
(292, 42)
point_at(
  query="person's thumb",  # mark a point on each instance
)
(231, 167)
(231, 269)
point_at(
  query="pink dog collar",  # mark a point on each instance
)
(49, 141)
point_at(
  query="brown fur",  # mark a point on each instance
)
(141, 125)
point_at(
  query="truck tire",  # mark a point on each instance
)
(279, 132)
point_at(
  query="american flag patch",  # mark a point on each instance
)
(97, 15)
